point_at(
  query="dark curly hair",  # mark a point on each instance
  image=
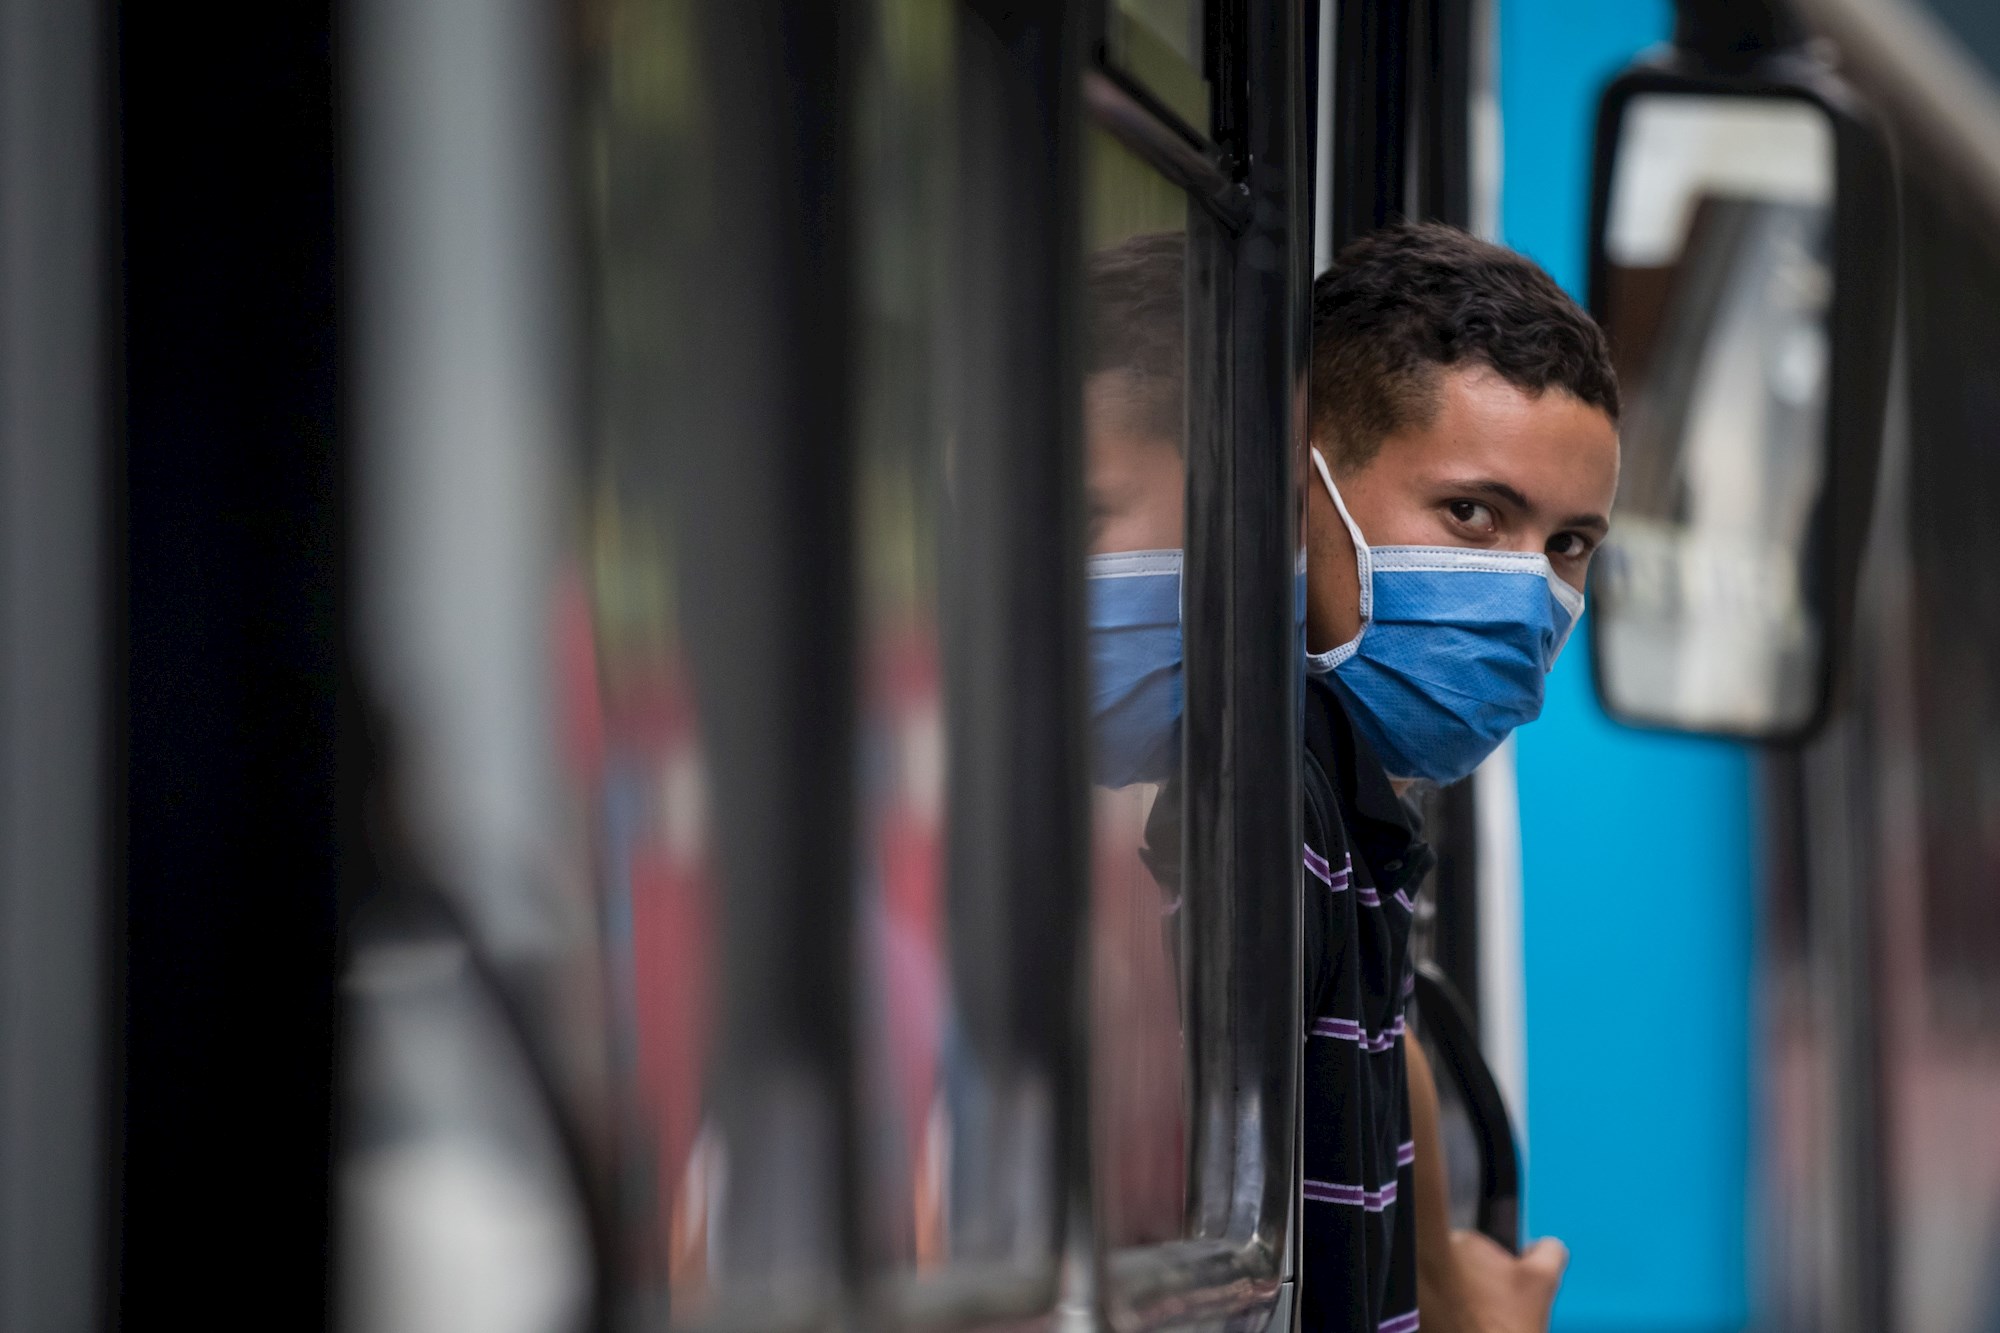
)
(1403, 304)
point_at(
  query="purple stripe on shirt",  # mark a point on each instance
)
(1403, 901)
(1323, 871)
(1354, 1196)
(1384, 1039)
(1402, 1323)
(1346, 1029)
(1320, 1191)
(1368, 896)
(1406, 1153)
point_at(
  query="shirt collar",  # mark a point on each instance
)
(1380, 827)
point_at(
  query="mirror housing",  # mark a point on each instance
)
(1720, 627)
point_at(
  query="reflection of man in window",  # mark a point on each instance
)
(1465, 458)
(1134, 395)
(1134, 408)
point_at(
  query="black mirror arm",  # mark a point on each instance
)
(1727, 34)
(1449, 1034)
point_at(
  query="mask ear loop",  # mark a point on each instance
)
(1570, 600)
(1322, 663)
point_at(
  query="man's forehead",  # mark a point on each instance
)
(1553, 449)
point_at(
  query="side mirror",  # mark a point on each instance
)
(1743, 266)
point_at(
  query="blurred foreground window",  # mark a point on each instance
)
(953, 1156)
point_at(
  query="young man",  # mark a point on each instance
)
(1465, 456)
(1464, 431)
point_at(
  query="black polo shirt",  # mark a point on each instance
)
(1363, 861)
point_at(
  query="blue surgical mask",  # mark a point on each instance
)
(1454, 649)
(1135, 666)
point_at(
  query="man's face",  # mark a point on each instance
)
(1134, 478)
(1495, 469)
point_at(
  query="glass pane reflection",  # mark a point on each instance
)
(933, 1121)
(1135, 442)
(656, 869)
(1162, 44)
(907, 1015)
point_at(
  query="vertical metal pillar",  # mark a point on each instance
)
(1019, 823)
(55, 676)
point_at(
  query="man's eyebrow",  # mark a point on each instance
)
(1500, 490)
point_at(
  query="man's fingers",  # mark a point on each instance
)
(1548, 1257)
(1505, 1292)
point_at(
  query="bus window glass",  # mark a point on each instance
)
(1717, 288)
(1162, 46)
(917, 1111)
(1135, 415)
(648, 142)
(934, 1117)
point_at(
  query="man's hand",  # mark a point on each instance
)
(1465, 1282)
(1502, 1293)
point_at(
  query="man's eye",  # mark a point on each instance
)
(1472, 514)
(1569, 546)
